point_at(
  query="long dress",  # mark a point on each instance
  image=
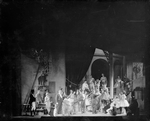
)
(118, 87)
(103, 81)
(48, 103)
(59, 105)
(87, 100)
(105, 94)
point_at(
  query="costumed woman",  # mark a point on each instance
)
(123, 102)
(92, 86)
(118, 86)
(47, 103)
(105, 97)
(103, 80)
(97, 84)
(85, 86)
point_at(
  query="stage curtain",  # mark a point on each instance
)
(78, 60)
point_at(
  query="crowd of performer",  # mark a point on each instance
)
(93, 96)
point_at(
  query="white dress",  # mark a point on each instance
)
(87, 101)
(124, 102)
(105, 95)
(117, 102)
(47, 103)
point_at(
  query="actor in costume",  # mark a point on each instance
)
(92, 86)
(59, 101)
(105, 95)
(118, 86)
(38, 97)
(123, 102)
(32, 102)
(85, 86)
(96, 103)
(103, 80)
(47, 103)
(97, 84)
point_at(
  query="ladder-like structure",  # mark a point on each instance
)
(26, 101)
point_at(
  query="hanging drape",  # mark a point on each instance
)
(78, 60)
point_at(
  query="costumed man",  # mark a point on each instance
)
(59, 101)
(118, 85)
(134, 110)
(128, 87)
(32, 102)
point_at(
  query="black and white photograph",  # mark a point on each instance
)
(81, 60)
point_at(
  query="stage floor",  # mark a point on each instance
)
(87, 114)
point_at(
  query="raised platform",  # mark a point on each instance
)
(88, 116)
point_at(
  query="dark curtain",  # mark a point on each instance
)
(78, 60)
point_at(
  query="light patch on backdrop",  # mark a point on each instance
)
(137, 70)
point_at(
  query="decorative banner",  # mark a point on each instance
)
(137, 70)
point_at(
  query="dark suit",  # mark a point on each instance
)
(32, 99)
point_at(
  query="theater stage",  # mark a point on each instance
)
(87, 114)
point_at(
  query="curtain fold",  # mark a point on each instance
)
(78, 60)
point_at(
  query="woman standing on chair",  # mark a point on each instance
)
(32, 102)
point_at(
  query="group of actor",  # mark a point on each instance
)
(92, 96)
(40, 97)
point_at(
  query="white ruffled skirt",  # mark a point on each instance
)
(124, 103)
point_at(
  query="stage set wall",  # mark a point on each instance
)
(28, 72)
(138, 84)
(56, 74)
(99, 54)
